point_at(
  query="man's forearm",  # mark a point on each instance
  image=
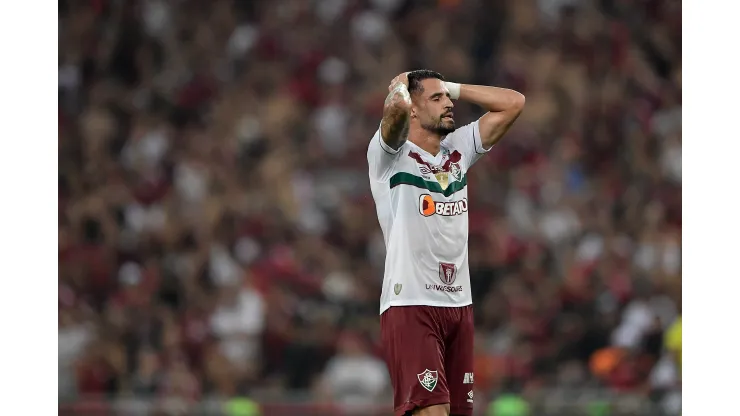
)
(503, 105)
(493, 99)
(394, 126)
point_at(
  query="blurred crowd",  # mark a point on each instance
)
(217, 236)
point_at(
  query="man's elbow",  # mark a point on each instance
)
(517, 101)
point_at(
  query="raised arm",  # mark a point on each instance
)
(395, 123)
(503, 105)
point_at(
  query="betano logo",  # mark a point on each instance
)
(429, 207)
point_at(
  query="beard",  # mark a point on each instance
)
(442, 127)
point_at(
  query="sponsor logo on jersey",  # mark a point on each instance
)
(428, 379)
(426, 173)
(424, 170)
(445, 288)
(429, 207)
(468, 378)
(397, 288)
(447, 273)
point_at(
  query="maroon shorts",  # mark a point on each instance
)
(429, 352)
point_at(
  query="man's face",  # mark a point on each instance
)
(433, 107)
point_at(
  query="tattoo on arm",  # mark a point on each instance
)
(394, 127)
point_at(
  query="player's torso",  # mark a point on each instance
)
(423, 210)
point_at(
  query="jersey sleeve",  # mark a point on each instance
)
(381, 158)
(467, 140)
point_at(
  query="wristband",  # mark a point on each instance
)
(402, 89)
(454, 89)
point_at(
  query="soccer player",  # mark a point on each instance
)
(418, 162)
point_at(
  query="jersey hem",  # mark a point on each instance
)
(424, 303)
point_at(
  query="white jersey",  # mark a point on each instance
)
(422, 205)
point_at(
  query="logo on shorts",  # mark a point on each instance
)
(428, 379)
(470, 396)
(397, 288)
(447, 273)
(468, 378)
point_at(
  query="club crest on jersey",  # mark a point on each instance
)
(428, 379)
(455, 171)
(397, 288)
(447, 273)
(429, 207)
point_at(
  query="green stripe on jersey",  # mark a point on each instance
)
(403, 178)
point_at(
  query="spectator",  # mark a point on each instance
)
(353, 376)
(238, 322)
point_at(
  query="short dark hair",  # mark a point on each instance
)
(415, 78)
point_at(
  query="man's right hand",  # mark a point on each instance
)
(396, 110)
(401, 78)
